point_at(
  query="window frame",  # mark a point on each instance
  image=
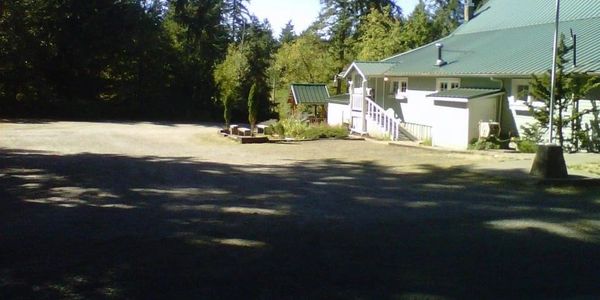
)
(396, 87)
(515, 84)
(449, 82)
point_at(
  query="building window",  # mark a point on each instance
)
(520, 89)
(444, 84)
(403, 86)
(399, 87)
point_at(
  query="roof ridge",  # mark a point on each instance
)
(516, 27)
(294, 83)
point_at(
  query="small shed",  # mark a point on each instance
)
(458, 112)
(312, 95)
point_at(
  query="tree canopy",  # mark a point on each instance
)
(188, 59)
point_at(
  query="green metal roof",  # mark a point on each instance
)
(310, 93)
(339, 99)
(465, 93)
(505, 38)
(506, 14)
(370, 68)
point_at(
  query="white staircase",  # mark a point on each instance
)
(394, 128)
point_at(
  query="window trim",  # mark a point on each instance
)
(515, 83)
(398, 94)
(449, 81)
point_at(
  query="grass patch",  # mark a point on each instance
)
(592, 168)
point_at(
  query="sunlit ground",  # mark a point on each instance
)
(393, 224)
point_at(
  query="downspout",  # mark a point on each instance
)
(500, 107)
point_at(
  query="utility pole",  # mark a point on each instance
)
(553, 83)
(549, 160)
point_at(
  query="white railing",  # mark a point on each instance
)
(356, 101)
(419, 131)
(388, 124)
(395, 127)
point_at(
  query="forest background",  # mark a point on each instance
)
(188, 59)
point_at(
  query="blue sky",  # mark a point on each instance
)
(301, 12)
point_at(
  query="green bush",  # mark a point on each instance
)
(275, 129)
(427, 142)
(324, 131)
(526, 146)
(294, 128)
(485, 143)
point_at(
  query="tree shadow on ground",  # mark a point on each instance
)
(105, 226)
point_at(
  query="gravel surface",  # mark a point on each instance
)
(176, 211)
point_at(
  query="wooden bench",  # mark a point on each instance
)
(244, 131)
(261, 128)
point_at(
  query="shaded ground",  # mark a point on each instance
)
(92, 210)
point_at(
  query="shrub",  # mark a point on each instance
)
(294, 128)
(526, 146)
(532, 132)
(485, 143)
(324, 131)
(427, 142)
(275, 128)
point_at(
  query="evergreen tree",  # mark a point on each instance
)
(340, 21)
(287, 34)
(235, 16)
(418, 30)
(380, 36)
(570, 87)
(252, 107)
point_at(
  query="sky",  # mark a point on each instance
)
(301, 12)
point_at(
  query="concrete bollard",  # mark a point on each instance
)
(549, 162)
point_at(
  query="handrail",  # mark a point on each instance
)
(420, 131)
(395, 126)
(389, 124)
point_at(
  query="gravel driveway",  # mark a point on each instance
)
(174, 211)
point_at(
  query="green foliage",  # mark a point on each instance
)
(324, 131)
(485, 143)
(252, 106)
(287, 34)
(531, 136)
(532, 132)
(526, 146)
(295, 128)
(570, 87)
(380, 34)
(306, 59)
(228, 76)
(276, 129)
(418, 30)
(427, 142)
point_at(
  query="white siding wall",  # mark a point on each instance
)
(481, 110)
(450, 126)
(520, 113)
(338, 114)
(417, 108)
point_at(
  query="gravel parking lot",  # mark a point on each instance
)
(175, 211)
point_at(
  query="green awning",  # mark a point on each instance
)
(310, 94)
(465, 93)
